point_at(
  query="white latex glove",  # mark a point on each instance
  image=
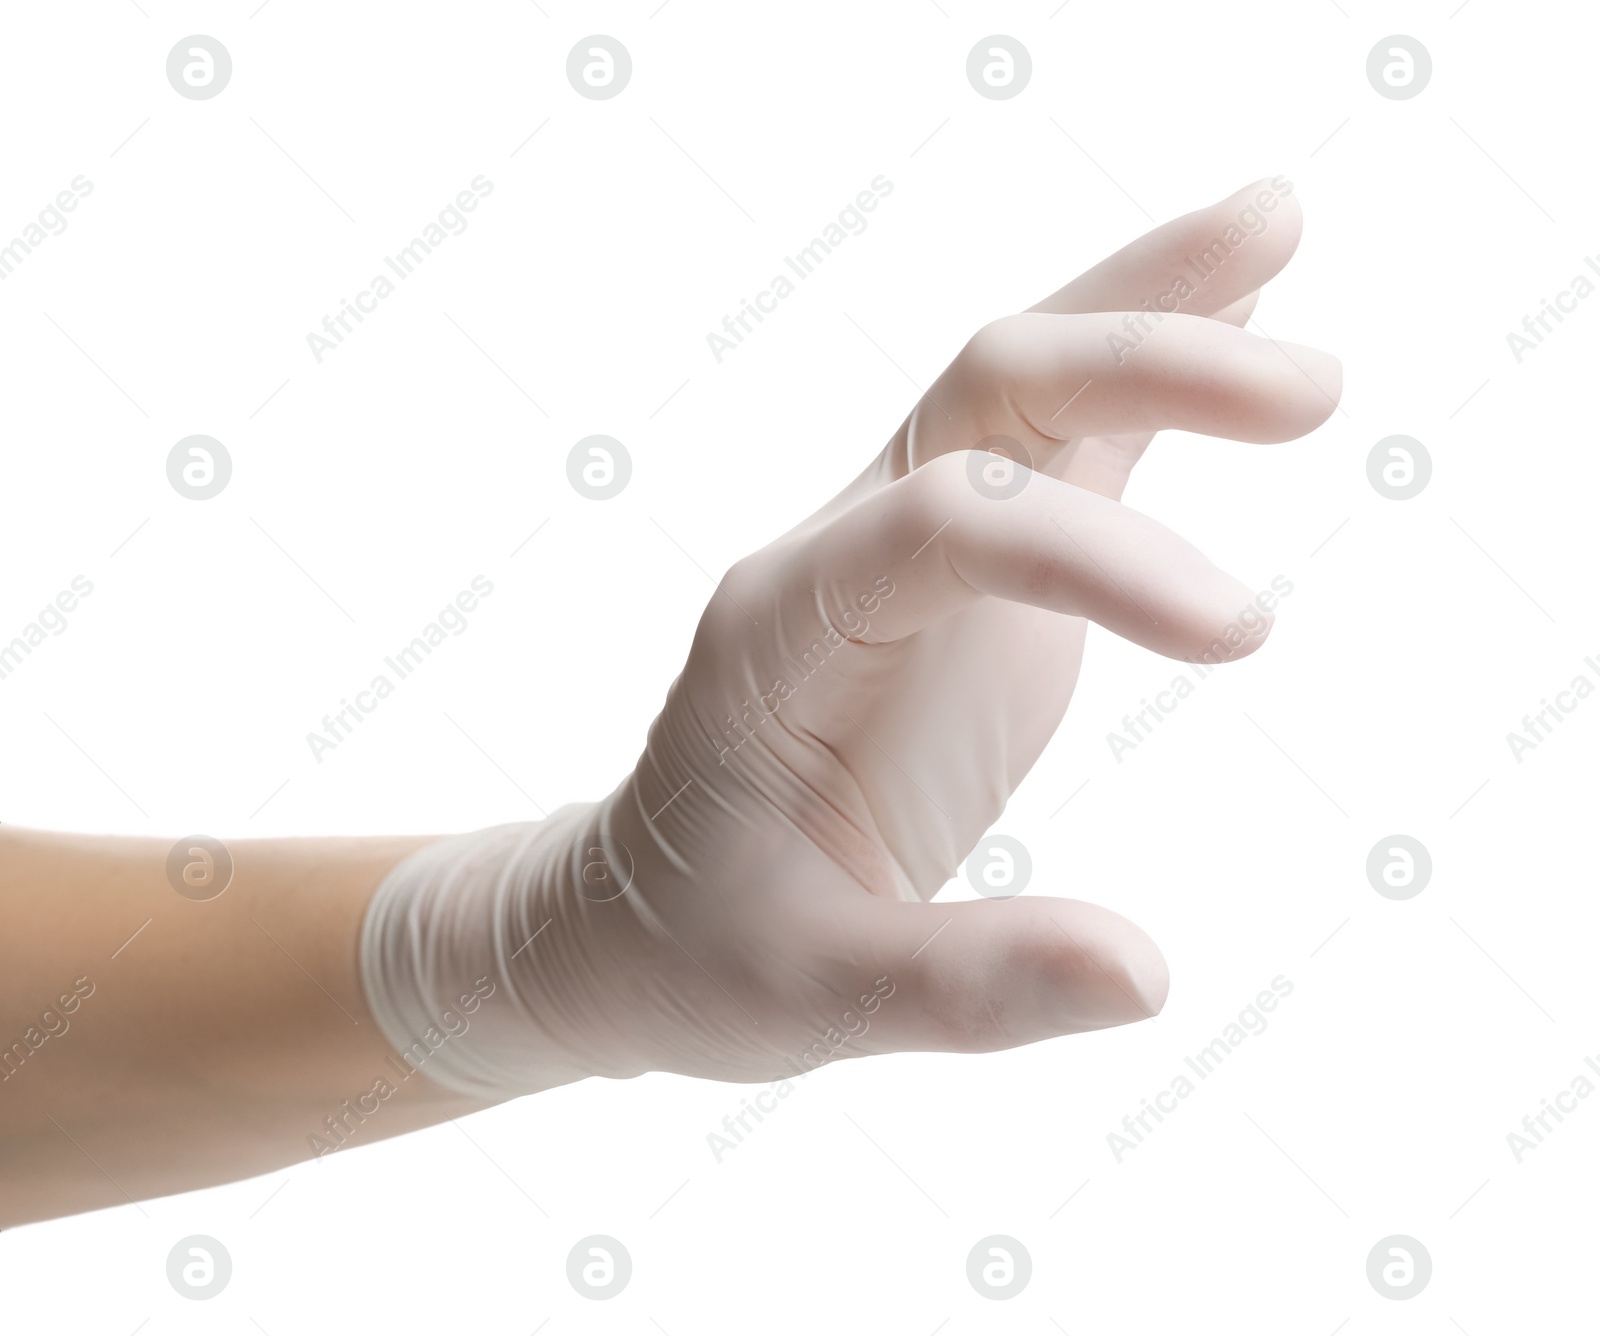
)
(861, 699)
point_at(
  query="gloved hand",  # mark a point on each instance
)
(861, 699)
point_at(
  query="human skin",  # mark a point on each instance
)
(794, 869)
(213, 1043)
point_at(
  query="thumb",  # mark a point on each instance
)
(983, 975)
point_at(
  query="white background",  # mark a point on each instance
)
(370, 488)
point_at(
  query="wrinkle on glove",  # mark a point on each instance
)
(861, 699)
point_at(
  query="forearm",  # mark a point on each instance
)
(154, 1043)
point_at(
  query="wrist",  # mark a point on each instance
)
(466, 958)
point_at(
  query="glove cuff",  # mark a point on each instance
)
(447, 951)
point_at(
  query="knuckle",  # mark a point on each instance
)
(992, 350)
(942, 488)
(739, 593)
(741, 578)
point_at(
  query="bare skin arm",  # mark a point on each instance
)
(211, 1046)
